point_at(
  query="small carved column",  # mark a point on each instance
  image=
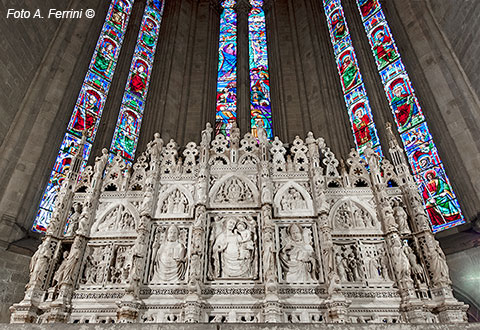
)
(129, 306)
(60, 308)
(193, 302)
(27, 310)
(449, 309)
(411, 306)
(271, 307)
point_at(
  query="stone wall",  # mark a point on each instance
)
(13, 277)
(460, 22)
(23, 49)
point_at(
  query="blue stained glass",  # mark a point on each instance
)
(133, 102)
(226, 108)
(439, 199)
(356, 100)
(228, 3)
(124, 144)
(260, 107)
(129, 121)
(42, 220)
(392, 71)
(83, 120)
(97, 82)
(423, 156)
(90, 102)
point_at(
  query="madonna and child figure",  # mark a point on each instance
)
(233, 250)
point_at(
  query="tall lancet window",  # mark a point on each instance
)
(438, 196)
(226, 112)
(260, 109)
(355, 95)
(126, 134)
(89, 106)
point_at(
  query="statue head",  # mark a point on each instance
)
(295, 232)
(172, 233)
(241, 225)
(230, 224)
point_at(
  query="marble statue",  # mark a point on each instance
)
(297, 257)
(169, 259)
(242, 230)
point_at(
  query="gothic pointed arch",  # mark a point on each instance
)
(293, 199)
(232, 190)
(176, 201)
(118, 217)
(352, 213)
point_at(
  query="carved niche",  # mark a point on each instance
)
(233, 248)
(168, 254)
(118, 218)
(96, 265)
(298, 255)
(234, 190)
(175, 202)
(293, 199)
(351, 215)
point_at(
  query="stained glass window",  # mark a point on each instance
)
(226, 112)
(355, 95)
(89, 106)
(260, 110)
(127, 130)
(438, 196)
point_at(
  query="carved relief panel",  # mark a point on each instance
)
(299, 260)
(115, 219)
(168, 253)
(292, 199)
(349, 215)
(175, 202)
(233, 251)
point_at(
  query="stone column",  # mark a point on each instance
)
(40, 266)
(193, 301)
(59, 309)
(449, 309)
(129, 306)
(271, 305)
(336, 303)
(411, 307)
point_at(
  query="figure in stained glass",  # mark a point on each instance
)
(104, 58)
(119, 15)
(82, 120)
(149, 33)
(439, 199)
(423, 156)
(367, 7)
(138, 81)
(349, 70)
(404, 104)
(228, 55)
(383, 47)
(129, 122)
(227, 94)
(337, 23)
(360, 122)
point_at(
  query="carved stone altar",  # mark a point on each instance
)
(240, 231)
